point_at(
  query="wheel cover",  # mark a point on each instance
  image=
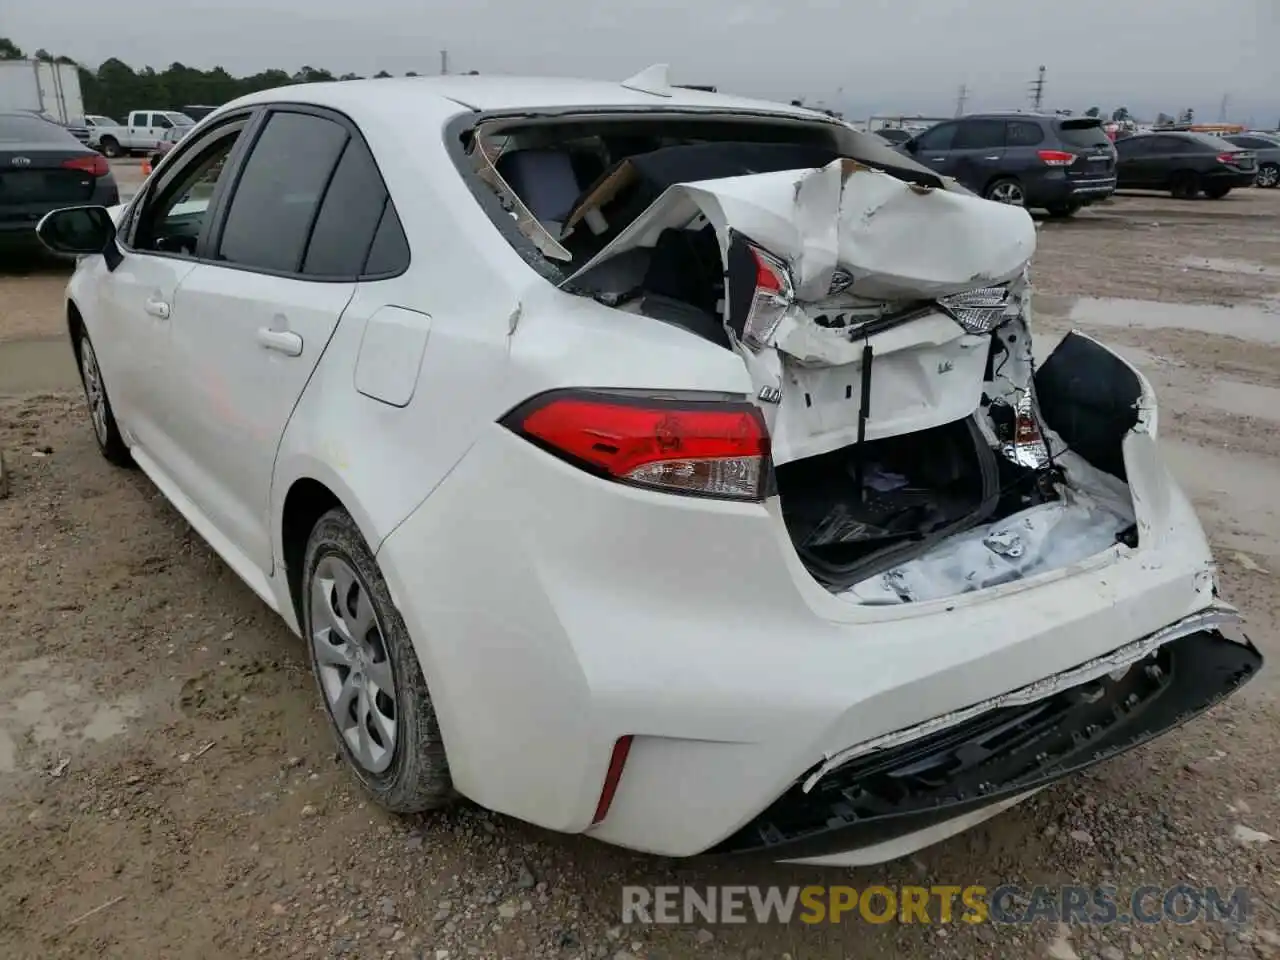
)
(93, 390)
(351, 660)
(1268, 176)
(1009, 193)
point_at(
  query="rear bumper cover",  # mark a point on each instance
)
(999, 755)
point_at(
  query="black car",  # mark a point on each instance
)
(894, 135)
(1056, 163)
(42, 168)
(1184, 164)
(1266, 147)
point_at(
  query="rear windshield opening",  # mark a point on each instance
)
(571, 185)
(1083, 133)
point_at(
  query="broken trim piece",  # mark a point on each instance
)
(1211, 617)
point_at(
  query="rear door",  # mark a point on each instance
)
(42, 167)
(1135, 167)
(258, 311)
(978, 153)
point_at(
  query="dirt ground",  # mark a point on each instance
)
(168, 787)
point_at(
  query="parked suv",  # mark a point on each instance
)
(1266, 147)
(1057, 163)
(1184, 164)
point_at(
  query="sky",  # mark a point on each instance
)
(860, 56)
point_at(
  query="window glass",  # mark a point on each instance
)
(1082, 133)
(163, 122)
(1023, 133)
(174, 220)
(348, 216)
(390, 250)
(1133, 146)
(18, 128)
(938, 138)
(979, 135)
(275, 201)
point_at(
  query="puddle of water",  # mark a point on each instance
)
(37, 366)
(55, 713)
(1228, 265)
(1257, 324)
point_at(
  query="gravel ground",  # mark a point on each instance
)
(168, 787)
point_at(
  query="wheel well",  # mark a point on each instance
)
(75, 324)
(306, 502)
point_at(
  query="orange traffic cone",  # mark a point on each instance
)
(146, 168)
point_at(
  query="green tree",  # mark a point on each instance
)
(1093, 112)
(1120, 114)
(43, 54)
(10, 50)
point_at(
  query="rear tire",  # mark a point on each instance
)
(101, 416)
(1268, 176)
(111, 147)
(367, 670)
(1185, 186)
(1216, 192)
(1064, 210)
(1006, 190)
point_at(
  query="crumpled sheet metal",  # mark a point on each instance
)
(899, 241)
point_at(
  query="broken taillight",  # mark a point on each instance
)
(1028, 448)
(710, 448)
(772, 298)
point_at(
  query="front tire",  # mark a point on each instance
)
(1268, 176)
(1064, 210)
(101, 415)
(1216, 192)
(374, 693)
(111, 147)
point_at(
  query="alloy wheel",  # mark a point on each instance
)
(1268, 177)
(93, 391)
(1008, 192)
(351, 659)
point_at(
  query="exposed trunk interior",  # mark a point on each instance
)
(922, 475)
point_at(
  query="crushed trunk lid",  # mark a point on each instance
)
(848, 293)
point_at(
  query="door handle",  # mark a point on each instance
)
(282, 341)
(158, 308)
(991, 158)
(936, 159)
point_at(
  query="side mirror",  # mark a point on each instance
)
(79, 231)
(910, 145)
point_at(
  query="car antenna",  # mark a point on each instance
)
(652, 80)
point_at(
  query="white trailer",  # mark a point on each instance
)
(49, 88)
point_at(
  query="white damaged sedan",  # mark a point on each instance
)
(649, 463)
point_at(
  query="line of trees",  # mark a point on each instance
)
(115, 88)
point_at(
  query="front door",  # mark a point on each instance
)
(253, 323)
(977, 153)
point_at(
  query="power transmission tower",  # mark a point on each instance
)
(1037, 89)
(444, 62)
(1222, 109)
(962, 97)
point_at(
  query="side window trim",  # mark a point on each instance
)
(180, 165)
(211, 240)
(324, 195)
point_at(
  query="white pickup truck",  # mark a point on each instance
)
(141, 133)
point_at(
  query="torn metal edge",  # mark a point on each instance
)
(1130, 653)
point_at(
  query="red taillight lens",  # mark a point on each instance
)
(95, 165)
(1230, 159)
(700, 447)
(1057, 158)
(617, 760)
(772, 298)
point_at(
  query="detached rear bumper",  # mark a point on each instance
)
(967, 772)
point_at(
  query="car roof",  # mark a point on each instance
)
(502, 93)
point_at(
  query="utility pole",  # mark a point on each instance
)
(1037, 89)
(1222, 109)
(962, 97)
(444, 62)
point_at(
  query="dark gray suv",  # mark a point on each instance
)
(1059, 164)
